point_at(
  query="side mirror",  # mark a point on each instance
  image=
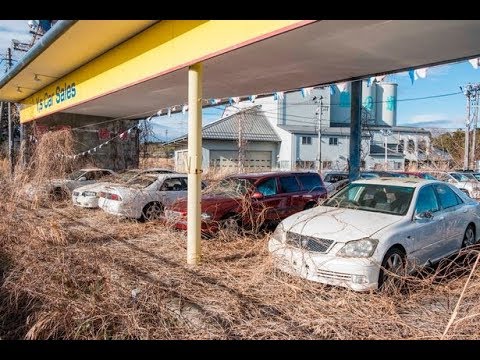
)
(257, 195)
(423, 215)
(83, 178)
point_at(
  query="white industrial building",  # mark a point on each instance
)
(284, 133)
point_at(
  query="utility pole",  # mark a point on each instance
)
(467, 127)
(319, 118)
(10, 125)
(476, 89)
(241, 142)
(386, 133)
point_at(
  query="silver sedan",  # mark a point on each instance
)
(374, 230)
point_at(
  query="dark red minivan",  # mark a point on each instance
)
(251, 200)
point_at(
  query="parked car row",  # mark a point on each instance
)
(363, 237)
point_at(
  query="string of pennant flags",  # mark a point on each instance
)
(123, 135)
(414, 75)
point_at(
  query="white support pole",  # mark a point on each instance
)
(194, 164)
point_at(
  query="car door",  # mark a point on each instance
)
(272, 205)
(426, 234)
(291, 191)
(454, 213)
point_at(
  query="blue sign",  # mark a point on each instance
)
(391, 103)
(368, 103)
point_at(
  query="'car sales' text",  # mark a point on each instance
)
(61, 94)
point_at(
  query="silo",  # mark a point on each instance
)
(340, 105)
(369, 98)
(387, 109)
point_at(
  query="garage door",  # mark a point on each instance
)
(254, 160)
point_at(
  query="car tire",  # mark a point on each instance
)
(394, 262)
(469, 236)
(59, 193)
(230, 223)
(152, 211)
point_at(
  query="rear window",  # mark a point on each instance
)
(310, 181)
(333, 178)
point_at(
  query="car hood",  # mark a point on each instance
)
(338, 224)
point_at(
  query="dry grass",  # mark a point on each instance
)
(69, 273)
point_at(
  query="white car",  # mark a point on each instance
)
(374, 228)
(62, 187)
(86, 196)
(465, 182)
(144, 197)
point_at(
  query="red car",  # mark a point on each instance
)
(252, 200)
(418, 174)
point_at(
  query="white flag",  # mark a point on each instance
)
(159, 112)
(421, 73)
(380, 78)
(184, 109)
(169, 112)
(342, 86)
(278, 95)
(474, 62)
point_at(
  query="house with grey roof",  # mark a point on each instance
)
(244, 140)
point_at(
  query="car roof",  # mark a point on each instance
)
(269, 174)
(95, 169)
(406, 182)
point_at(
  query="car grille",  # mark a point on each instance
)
(308, 243)
(333, 275)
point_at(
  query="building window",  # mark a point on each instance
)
(333, 141)
(306, 140)
(401, 146)
(326, 164)
(411, 146)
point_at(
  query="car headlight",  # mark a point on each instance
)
(279, 233)
(206, 216)
(89, 193)
(359, 248)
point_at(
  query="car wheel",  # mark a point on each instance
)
(152, 211)
(469, 236)
(230, 223)
(59, 193)
(393, 268)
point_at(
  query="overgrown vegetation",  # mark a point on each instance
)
(68, 273)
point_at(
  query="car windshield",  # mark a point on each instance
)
(75, 175)
(142, 181)
(461, 177)
(387, 199)
(230, 186)
(477, 176)
(128, 176)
